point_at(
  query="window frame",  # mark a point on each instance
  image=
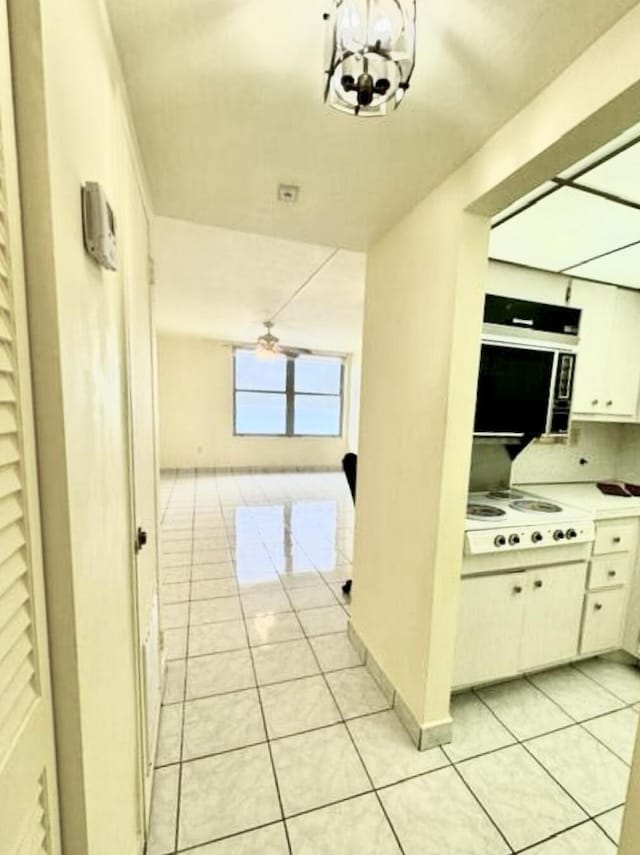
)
(290, 398)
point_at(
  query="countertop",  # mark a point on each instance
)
(587, 497)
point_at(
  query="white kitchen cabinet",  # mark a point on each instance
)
(552, 615)
(490, 620)
(623, 360)
(607, 380)
(615, 536)
(603, 620)
(610, 570)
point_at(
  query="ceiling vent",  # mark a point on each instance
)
(288, 193)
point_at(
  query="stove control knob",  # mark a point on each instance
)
(500, 540)
(514, 539)
(536, 537)
(558, 534)
(571, 534)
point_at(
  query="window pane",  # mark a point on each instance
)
(318, 374)
(260, 374)
(317, 415)
(261, 412)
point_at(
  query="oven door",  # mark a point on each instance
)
(515, 385)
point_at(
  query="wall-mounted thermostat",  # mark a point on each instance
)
(99, 226)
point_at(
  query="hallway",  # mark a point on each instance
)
(269, 713)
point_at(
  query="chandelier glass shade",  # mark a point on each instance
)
(370, 55)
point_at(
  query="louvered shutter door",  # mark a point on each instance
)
(28, 803)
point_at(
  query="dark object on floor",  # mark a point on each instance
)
(350, 469)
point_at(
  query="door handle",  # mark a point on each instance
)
(141, 539)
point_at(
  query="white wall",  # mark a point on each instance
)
(355, 384)
(418, 395)
(195, 388)
(73, 126)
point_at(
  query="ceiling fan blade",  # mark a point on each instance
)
(293, 352)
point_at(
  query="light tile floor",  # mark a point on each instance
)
(274, 740)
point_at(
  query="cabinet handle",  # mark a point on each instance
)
(598, 607)
(594, 402)
(538, 583)
(517, 589)
(611, 574)
(609, 403)
(617, 539)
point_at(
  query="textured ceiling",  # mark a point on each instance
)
(227, 100)
(222, 284)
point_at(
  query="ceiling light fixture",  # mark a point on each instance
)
(370, 55)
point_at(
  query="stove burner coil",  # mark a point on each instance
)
(480, 512)
(504, 494)
(536, 506)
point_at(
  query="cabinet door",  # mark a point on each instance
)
(603, 620)
(598, 307)
(552, 614)
(622, 379)
(489, 627)
(609, 570)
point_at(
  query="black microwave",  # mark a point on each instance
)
(527, 369)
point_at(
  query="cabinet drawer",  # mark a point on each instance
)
(608, 570)
(603, 617)
(614, 537)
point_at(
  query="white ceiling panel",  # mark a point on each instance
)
(620, 175)
(565, 229)
(619, 268)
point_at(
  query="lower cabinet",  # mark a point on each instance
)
(489, 628)
(512, 622)
(603, 620)
(553, 614)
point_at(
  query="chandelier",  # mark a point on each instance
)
(370, 55)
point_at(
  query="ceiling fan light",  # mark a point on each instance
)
(370, 55)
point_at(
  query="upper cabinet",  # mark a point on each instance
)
(607, 380)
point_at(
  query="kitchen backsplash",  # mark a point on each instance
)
(628, 468)
(592, 453)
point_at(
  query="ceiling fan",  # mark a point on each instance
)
(268, 346)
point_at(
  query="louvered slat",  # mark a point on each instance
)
(9, 449)
(15, 702)
(10, 482)
(10, 510)
(13, 661)
(4, 299)
(34, 834)
(10, 604)
(6, 361)
(11, 539)
(11, 571)
(6, 333)
(7, 389)
(8, 421)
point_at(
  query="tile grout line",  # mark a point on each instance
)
(353, 742)
(536, 759)
(575, 666)
(266, 734)
(578, 723)
(184, 692)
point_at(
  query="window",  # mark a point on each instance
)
(283, 396)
